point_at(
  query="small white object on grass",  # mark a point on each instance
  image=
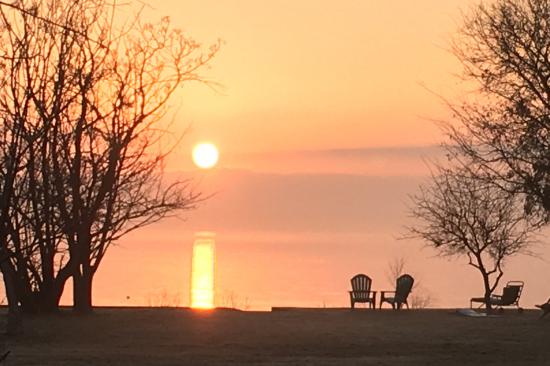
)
(471, 313)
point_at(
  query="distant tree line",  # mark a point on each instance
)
(486, 201)
(82, 140)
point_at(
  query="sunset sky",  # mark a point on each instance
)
(324, 117)
(318, 75)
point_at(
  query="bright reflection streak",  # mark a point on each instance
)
(202, 271)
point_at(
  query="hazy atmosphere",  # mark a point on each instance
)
(321, 142)
(297, 182)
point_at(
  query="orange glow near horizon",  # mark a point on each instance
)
(202, 273)
(326, 116)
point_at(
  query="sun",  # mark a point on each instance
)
(205, 155)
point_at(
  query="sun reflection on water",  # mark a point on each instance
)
(202, 271)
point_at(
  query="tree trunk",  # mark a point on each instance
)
(14, 323)
(82, 272)
(82, 292)
(50, 297)
(487, 286)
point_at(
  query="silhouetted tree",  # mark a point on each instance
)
(30, 88)
(460, 216)
(92, 171)
(504, 47)
(11, 151)
(395, 268)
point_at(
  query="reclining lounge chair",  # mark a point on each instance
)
(510, 297)
(545, 308)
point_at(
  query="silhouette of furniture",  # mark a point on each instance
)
(361, 291)
(4, 356)
(545, 308)
(511, 295)
(398, 298)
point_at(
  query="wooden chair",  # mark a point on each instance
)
(361, 292)
(398, 298)
(511, 295)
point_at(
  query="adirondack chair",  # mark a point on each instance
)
(361, 292)
(398, 298)
(510, 297)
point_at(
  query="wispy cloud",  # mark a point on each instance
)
(246, 200)
(359, 151)
(379, 161)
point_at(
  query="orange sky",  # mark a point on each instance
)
(307, 75)
(323, 124)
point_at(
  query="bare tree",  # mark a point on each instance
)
(34, 232)
(504, 47)
(115, 155)
(95, 98)
(460, 216)
(11, 152)
(421, 298)
(15, 116)
(396, 268)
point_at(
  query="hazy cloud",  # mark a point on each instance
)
(382, 161)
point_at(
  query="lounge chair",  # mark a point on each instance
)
(361, 293)
(510, 297)
(398, 298)
(545, 308)
(4, 356)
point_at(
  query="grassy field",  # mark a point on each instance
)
(296, 337)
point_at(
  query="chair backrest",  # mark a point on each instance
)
(361, 282)
(403, 287)
(511, 293)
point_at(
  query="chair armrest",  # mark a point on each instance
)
(383, 293)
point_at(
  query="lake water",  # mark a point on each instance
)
(256, 272)
(295, 240)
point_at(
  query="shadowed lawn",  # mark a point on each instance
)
(296, 337)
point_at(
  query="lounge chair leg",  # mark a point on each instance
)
(545, 308)
(3, 357)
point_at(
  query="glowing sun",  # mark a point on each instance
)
(205, 155)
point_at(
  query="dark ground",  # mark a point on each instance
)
(296, 337)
